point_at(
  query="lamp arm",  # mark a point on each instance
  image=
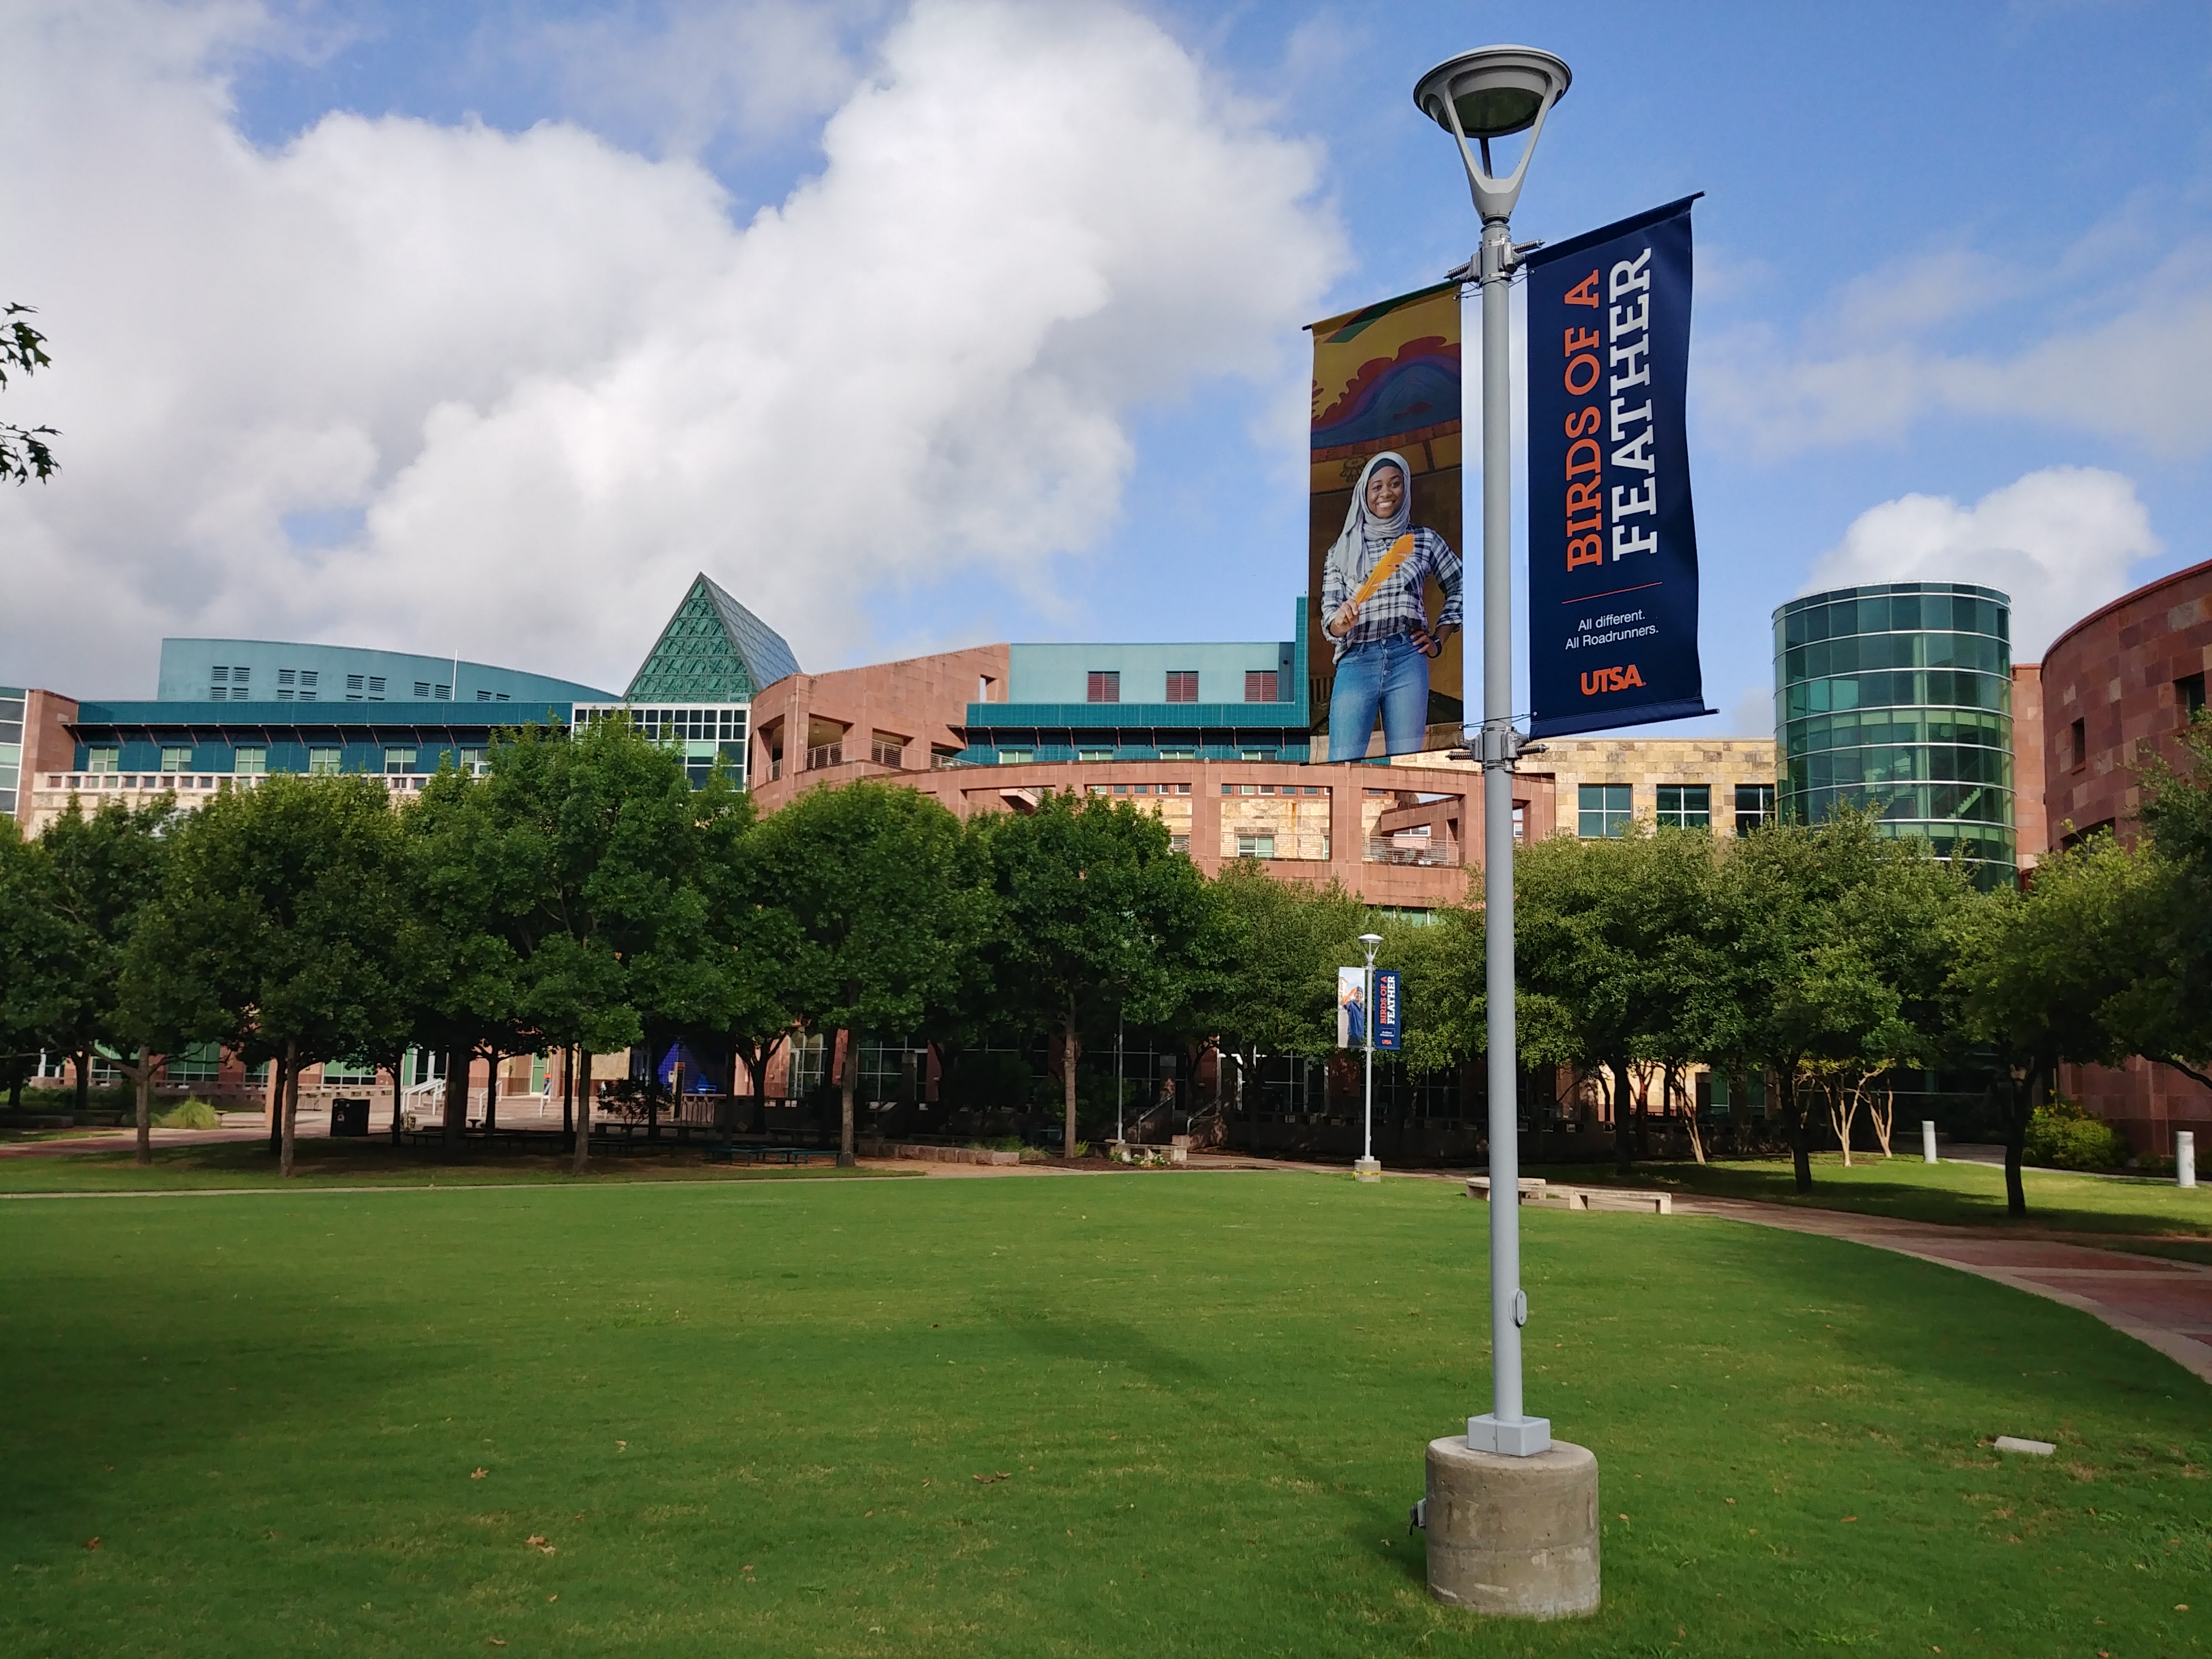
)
(1494, 199)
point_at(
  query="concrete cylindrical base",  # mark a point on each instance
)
(1515, 1536)
(1367, 1169)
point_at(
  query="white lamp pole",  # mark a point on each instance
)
(1483, 95)
(1369, 1168)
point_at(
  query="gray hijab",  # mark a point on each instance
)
(1366, 537)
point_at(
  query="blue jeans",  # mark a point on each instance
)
(1389, 674)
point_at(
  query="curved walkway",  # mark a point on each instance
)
(2166, 1303)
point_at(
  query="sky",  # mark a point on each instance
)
(477, 329)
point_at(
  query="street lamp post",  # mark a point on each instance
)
(1540, 1557)
(1369, 1168)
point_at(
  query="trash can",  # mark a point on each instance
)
(350, 1117)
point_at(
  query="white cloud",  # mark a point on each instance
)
(2140, 374)
(2060, 541)
(554, 379)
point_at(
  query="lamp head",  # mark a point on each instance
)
(1490, 93)
(1370, 940)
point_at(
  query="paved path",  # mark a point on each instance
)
(2166, 1303)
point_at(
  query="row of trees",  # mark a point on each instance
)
(581, 896)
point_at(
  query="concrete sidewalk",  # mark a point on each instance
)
(2166, 1303)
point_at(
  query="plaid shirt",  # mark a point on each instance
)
(1396, 606)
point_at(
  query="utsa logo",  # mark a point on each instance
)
(1610, 679)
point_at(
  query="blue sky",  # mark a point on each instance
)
(1941, 250)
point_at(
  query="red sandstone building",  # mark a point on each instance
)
(2118, 687)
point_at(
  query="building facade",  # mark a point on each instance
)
(1899, 697)
(2118, 688)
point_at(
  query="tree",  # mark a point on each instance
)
(24, 454)
(883, 898)
(96, 877)
(1600, 930)
(2165, 1013)
(750, 958)
(1097, 914)
(274, 930)
(2036, 972)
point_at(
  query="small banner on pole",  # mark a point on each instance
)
(1613, 541)
(1351, 1007)
(1386, 1016)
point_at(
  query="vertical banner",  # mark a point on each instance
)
(1351, 1007)
(1388, 1017)
(1613, 541)
(1386, 395)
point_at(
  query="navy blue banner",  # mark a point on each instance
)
(1388, 1020)
(1612, 542)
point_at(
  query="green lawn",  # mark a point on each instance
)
(1958, 1194)
(748, 1419)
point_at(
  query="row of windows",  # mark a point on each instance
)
(706, 723)
(1606, 810)
(1849, 731)
(1022, 755)
(1936, 687)
(1978, 803)
(1104, 685)
(250, 760)
(1903, 763)
(1883, 613)
(1875, 651)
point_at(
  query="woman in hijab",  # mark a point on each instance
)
(1373, 611)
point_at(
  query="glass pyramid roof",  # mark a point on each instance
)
(713, 650)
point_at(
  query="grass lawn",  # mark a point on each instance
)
(750, 1417)
(1958, 1194)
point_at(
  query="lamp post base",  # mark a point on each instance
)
(1367, 1169)
(1515, 1537)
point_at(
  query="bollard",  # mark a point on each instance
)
(1928, 1139)
(2185, 1157)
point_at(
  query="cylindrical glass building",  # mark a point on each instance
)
(1900, 697)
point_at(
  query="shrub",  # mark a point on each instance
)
(189, 1114)
(2061, 1136)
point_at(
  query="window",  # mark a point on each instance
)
(941, 758)
(376, 687)
(1260, 685)
(1754, 806)
(400, 760)
(1256, 847)
(252, 762)
(1520, 824)
(1015, 756)
(809, 1065)
(1603, 810)
(442, 694)
(307, 677)
(324, 762)
(421, 690)
(1182, 685)
(353, 685)
(103, 760)
(2077, 744)
(219, 674)
(176, 760)
(1182, 752)
(287, 675)
(1255, 754)
(354, 1073)
(1686, 806)
(472, 761)
(198, 1064)
(1094, 754)
(888, 750)
(1104, 685)
(2189, 693)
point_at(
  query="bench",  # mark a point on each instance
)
(764, 1154)
(1543, 1195)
